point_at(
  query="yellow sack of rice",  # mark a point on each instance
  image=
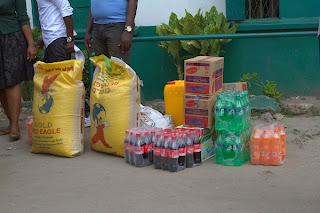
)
(114, 104)
(58, 108)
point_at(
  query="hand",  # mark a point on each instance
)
(125, 41)
(87, 42)
(31, 53)
(70, 47)
(40, 44)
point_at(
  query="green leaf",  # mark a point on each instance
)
(211, 15)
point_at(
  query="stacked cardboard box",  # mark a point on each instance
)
(203, 79)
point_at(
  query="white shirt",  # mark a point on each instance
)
(51, 13)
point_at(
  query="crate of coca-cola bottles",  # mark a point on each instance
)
(168, 149)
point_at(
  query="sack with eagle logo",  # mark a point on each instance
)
(114, 104)
(58, 108)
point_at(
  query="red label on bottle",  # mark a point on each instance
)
(197, 147)
(131, 148)
(190, 150)
(173, 153)
(182, 151)
(138, 150)
(164, 153)
(126, 147)
(147, 148)
(157, 151)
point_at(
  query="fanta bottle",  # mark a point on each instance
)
(275, 149)
(255, 147)
(265, 150)
(282, 134)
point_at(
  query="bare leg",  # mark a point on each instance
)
(13, 96)
(4, 104)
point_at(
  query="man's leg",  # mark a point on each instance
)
(56, 51)
(99, 41)
(113, 33)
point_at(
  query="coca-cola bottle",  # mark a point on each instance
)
(131, 147)
(126, 146)
(147, 155)
(189, 150)
(153, 140)
(164, 152)
(173, 154)
(196, 147)
(157, 151)
(139, 160)
(182, 152)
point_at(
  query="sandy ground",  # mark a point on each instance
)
(96, 182)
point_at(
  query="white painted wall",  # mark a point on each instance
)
(154, 12)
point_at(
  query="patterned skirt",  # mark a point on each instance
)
(14, 67)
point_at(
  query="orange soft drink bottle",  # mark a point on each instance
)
(282, 134)
(29, 127)
(275, 149)
(255, 147)
(265, 150)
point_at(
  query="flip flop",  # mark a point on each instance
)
(4, 131)
(14, 135)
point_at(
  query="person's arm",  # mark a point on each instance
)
(87, 36)
(69, 25)
(23, 20)
(31, 51)
(126, 37)
(66, 12)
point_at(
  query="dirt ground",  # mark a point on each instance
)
(96, 182)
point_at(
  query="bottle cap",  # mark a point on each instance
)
(158, 135)
(127, 131)
(171, 82)
(166, 136)
(146, 133)
(138, 134)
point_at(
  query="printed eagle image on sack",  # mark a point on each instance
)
(58, 108)
(114, 104)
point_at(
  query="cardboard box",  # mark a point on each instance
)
(199, 111)
(207, 141)
(241, 86)
(203, 75)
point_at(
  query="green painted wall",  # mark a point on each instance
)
(152, 64)
(293, 63)
(298, 8)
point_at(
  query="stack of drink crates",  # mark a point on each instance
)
(233, 119)
(268, 145)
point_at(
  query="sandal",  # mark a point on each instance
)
(14, 135)
(4, 131)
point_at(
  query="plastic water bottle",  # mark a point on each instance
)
(182, 152)
(238, 115)
(229, 110)
(196, 147)
(139, 151)
(173, 154)
(219, 146)
(164, 152)
(157, 151)
(131, 147)
(147, 154)
(189, 150)
(126, 146)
